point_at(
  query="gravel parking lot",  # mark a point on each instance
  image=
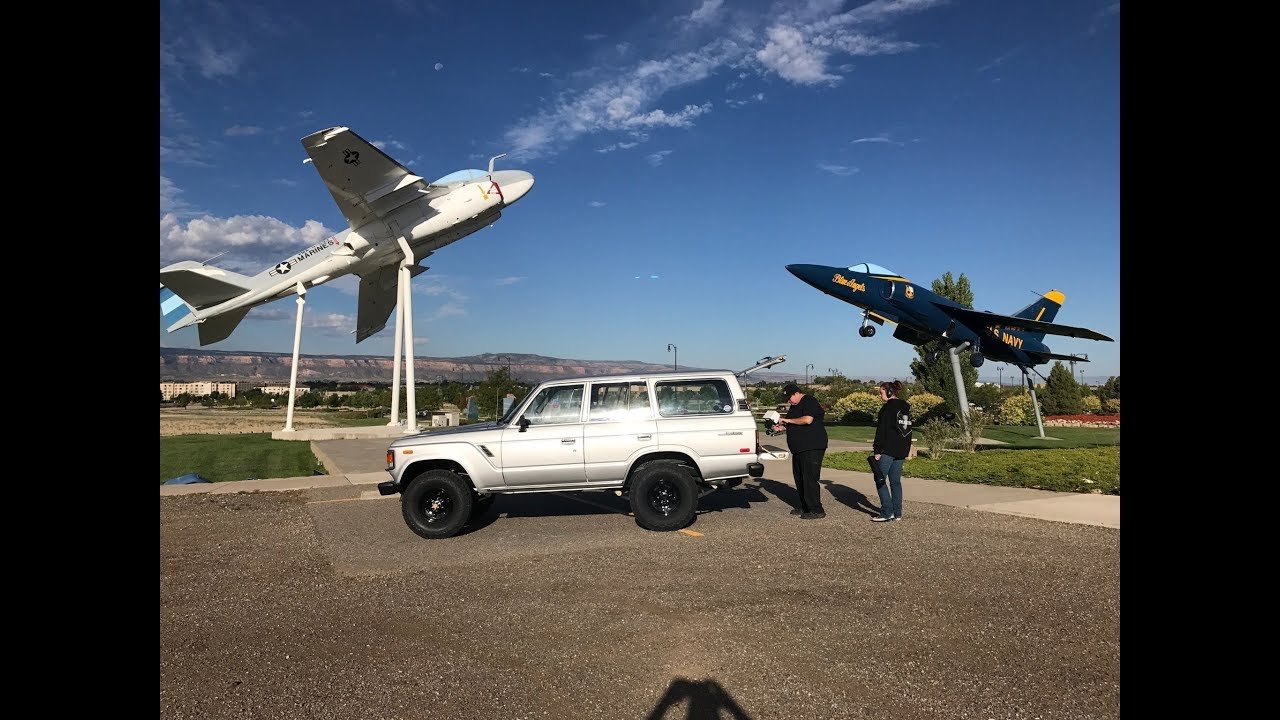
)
(316, 604)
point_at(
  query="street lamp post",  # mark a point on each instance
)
(806, 373)
(497, 390)
(675, 363)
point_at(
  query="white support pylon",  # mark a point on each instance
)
(395, 360)
(406, 300)
(293, 372)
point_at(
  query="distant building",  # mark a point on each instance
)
(280, 389)
(449, 415)
(171, 390)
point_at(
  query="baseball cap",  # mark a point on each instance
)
(789, 389)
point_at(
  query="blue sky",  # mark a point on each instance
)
(684, 153)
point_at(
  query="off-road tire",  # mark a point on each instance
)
(663, 497)
(437, 504)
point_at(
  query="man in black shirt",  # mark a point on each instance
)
(807, 440)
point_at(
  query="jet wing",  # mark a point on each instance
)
(378, 298)
(364, 181)
(975, 318)
(1055, 356)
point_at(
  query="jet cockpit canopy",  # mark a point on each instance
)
(871, 269)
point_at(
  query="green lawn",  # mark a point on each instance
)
(1018, 437)
(236, 457)
(1082, 469)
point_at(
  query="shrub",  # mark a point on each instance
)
(925, 407)
(1016, 410)
(857, 407)
(935, 435)
(1091, 404)
(1111, 406)
(970, 428)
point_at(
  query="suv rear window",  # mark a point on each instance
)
(693, 397)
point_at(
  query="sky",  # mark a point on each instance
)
(683, 152)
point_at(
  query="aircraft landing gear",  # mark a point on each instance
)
(931, 357)
(976, 359)
(867, 329)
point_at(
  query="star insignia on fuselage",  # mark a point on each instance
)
(282, 268)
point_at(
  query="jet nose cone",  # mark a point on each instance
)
(815, 275)
(515, 184)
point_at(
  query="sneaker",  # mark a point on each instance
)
(813, 515)
(881, 518)
(796, 511)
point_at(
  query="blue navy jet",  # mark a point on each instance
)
(922, 315)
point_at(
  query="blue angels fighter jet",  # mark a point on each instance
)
(922, 315)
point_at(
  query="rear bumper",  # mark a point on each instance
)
(756, 469)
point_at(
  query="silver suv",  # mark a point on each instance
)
(661, 439)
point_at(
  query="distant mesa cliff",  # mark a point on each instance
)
(189, 365)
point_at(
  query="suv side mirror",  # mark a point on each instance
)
(523, 422)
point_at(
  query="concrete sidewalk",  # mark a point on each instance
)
(362, 463)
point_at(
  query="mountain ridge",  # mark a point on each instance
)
(195, 365)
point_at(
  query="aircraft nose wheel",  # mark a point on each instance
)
(976, 359)
(867, 330)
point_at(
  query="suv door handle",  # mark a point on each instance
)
(568, 441)
(644, 437)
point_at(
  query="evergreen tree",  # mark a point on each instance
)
(1061, 392)
(936, 377)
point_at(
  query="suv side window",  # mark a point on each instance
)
(693, 397)
(619, 401)
(559, 404)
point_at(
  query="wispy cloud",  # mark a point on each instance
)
(183, 150)
(758, 97)
(882, 139)
(706, 11)
(594, 36)
(393, 144)
(330, 324)
(512, 280)
(656, 159)
(841, 170)
(1103, 18)
(1002, 59)
(796, 45)
(596, 203)
(448, 310)
(241, 130)
(617, 146)
(171, 199)
(545, 75)
(285, 182)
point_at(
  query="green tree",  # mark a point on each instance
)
(1061, 392)
(1110, 390)
(936, 377)
(988, 397)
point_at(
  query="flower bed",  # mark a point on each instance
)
(1082, 420)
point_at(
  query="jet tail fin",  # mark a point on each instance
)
(201, 286)
(218, 327)
(1045, 309)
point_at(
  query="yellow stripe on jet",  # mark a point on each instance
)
(1052, 296)
(874, 314)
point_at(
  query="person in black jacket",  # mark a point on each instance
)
(891, 446)
(807, 441)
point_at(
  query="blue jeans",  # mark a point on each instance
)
(888, 477)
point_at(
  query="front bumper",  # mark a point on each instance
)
(388, 488)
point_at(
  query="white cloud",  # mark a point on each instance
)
(656, 159)
(594, 36)
(393, 144)
(241, 130)
(285, 182)
(545, 75)
(512, 280)
(421, 340)
(330, 324)
(596, 203)
(448, 310)
(438, 66)
(520, 69)
(789, 54)
(796, 45)
(758, 97)
(217, 62)
(841, 170)
(304, 114)
(250, 241)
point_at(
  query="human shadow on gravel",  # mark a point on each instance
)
(840, 493)
(706, 699)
